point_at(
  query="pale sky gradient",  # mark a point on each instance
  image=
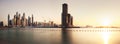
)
(85, 12)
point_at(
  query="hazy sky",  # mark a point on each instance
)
(85, 12)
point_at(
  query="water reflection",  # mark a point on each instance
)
(106, 36)
(60, 36)
(66, 36)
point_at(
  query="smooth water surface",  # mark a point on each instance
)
(60, 36)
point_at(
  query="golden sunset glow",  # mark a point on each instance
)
(106, 22)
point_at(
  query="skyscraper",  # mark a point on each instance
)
(8, 19)
(64, 14)
(23, 20)
(29, 21)
(71, 20)
(19, 21)
(17, 18)
(67, 19)
(1, 24)
(14, 20)
(32, 19)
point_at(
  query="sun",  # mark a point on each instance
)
(106, 22)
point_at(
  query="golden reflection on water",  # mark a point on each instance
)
(106, 36)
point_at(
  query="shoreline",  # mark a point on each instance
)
(4, 28)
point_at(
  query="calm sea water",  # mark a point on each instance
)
(60, 36)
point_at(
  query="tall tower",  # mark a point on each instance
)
(24, 16)
(29, 21)
(19, 21)
(14, 20)
(71, 20)
(17, 15)
(67, 19)
(8, 19)
(32, 19)
(64, 15)
(23, 20)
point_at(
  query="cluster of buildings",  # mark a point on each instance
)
(19, 21)
(49, 24)
(67, 19)
(22, 21)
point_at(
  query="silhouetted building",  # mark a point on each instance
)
(64, 14)
(23, 20)
(71, 20)
(8, 20)
(29, 21)
(32, 19)
(10, 23)
(67, 19)
(1, 23)
(17, 19)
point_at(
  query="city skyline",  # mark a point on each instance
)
(94, 12)
(20, 20)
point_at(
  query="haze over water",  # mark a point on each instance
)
(60, 36)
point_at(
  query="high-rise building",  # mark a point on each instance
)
(19, 21)
(64, 14)
(14, 20)
(32, 19)
(71, 20)
(8, 19)
(23, 20)
(67, 19)
(1, 23)
(29, 21)
(26, 22)
(10, 23)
